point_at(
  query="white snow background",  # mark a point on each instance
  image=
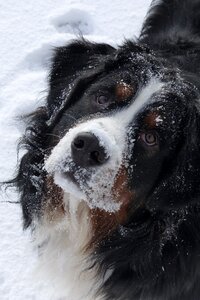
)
(29, 31)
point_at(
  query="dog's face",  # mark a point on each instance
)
(121, 138)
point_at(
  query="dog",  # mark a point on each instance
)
(110, 181)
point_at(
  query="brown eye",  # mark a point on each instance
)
(102, 100)
(150, 138)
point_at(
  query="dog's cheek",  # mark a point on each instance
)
(53, 205)
(104, 222)
(120, 189)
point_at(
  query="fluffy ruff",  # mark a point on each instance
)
(110, 180)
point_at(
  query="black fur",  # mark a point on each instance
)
(156, 254)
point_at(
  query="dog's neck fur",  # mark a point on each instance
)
(63, 253)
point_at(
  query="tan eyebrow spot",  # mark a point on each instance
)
(123, 91)
(152, 119)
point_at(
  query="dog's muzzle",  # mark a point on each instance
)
(86, 161)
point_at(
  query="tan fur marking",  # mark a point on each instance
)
(123, 91)
(150, 119)
(104, 222)
(53, 201)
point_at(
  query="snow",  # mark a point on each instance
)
(29, 32)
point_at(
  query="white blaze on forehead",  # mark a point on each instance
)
(112, 133)
(127, 115)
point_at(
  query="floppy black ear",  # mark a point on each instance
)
(69, 62)
(162, 26)
(180, 184)
(191, 155)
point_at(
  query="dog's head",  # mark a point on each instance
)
(118, 138)
(123, 127)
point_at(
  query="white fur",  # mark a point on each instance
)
(62, 260)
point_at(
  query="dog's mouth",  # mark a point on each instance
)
(70, 184)
(70, 176)
(93, 186)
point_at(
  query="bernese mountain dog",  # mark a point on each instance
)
(110, 181)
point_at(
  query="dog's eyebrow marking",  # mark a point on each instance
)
(152, 119)
(123, 91)
(145, 96)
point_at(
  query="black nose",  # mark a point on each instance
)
(87, 151)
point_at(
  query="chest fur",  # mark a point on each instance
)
(64, 258)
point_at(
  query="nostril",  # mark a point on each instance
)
(87, 151)
(79, 143)
(98, 156)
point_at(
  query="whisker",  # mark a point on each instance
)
(70, 116)
(54, 135)
(12, 202)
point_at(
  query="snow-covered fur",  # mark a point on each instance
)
(110, 182)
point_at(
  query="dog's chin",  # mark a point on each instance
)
(69, 185)
(95, 195)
